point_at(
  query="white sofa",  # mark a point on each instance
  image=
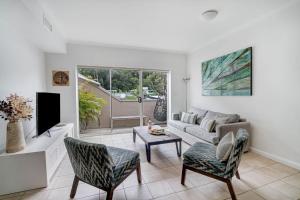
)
(192, 133)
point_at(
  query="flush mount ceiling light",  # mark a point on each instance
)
(209, 15)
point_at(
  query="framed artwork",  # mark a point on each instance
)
(228, 75)
(60, 78)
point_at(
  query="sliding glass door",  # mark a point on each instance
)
(94, 100)
(155, 93)
(125, 101)
(111, 100)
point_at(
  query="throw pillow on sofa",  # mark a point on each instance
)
(208, 124)
(199, 119)
(200, 113)
(221, 121)
(189, 118)
(225, 146)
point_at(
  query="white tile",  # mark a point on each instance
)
(138, 193)
(36, 194)
(131, 181)
(192, 194)
(118, 195)
(175, 184)
(214, 191)
(60, 193)
(169, 197)
(13, 195)
(239, 186)
(256, 178)
(293, 180)
(278, 171)
(159, 188)
(61, 181)
(270, 193)
(261, 178)
(198, 179)
(249, 196)
(84, 190)
(286, 189)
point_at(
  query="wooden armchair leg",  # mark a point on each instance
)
(138, 172)
(230, 188)
(183, 173)
(110, 194)
(74, 187)
(238, 175)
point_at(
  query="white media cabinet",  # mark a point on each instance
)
(34, 166)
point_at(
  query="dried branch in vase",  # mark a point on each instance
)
(15, 107)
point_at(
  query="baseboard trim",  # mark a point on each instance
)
(276, 158)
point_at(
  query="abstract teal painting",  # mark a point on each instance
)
(228, 75)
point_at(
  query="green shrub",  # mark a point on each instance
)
(90, 107)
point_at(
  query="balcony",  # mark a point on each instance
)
(124, 112)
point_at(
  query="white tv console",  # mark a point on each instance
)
(34, 166)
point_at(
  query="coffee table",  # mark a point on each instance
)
(149, 139)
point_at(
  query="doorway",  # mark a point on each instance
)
(113, 100)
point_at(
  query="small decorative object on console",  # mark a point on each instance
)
(15, 108)
(149, 124)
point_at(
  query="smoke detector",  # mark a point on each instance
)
(209, 15)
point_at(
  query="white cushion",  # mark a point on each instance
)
(189, 118)
(208, 124)
(225, 146)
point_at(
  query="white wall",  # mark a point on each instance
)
(113, 57)
(22, 71)
(23, 39)
(274, 108)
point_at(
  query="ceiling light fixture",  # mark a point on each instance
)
(209, 15)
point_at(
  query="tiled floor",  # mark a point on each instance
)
(261, 178)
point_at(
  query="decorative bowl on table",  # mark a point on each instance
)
(157, 130)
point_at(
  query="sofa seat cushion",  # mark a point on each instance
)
(200, 133)
(202, 156)
(179, 124)
(124, 161)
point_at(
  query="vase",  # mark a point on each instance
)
(15, 140)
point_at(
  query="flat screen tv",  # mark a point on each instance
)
(47, 111)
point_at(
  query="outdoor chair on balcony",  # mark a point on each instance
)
(201, 158)
(101, 166)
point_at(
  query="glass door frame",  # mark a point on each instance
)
(141, 95)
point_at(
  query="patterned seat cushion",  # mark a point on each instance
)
(124, 162)
(202, 156)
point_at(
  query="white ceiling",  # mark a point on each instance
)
(174, 25)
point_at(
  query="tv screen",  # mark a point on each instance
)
(47, 111)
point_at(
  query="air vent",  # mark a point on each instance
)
(47, 23)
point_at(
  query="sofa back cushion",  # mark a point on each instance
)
(200, 113)
(222, 118)
(189, 118)
(230, 118)
(208, 124)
